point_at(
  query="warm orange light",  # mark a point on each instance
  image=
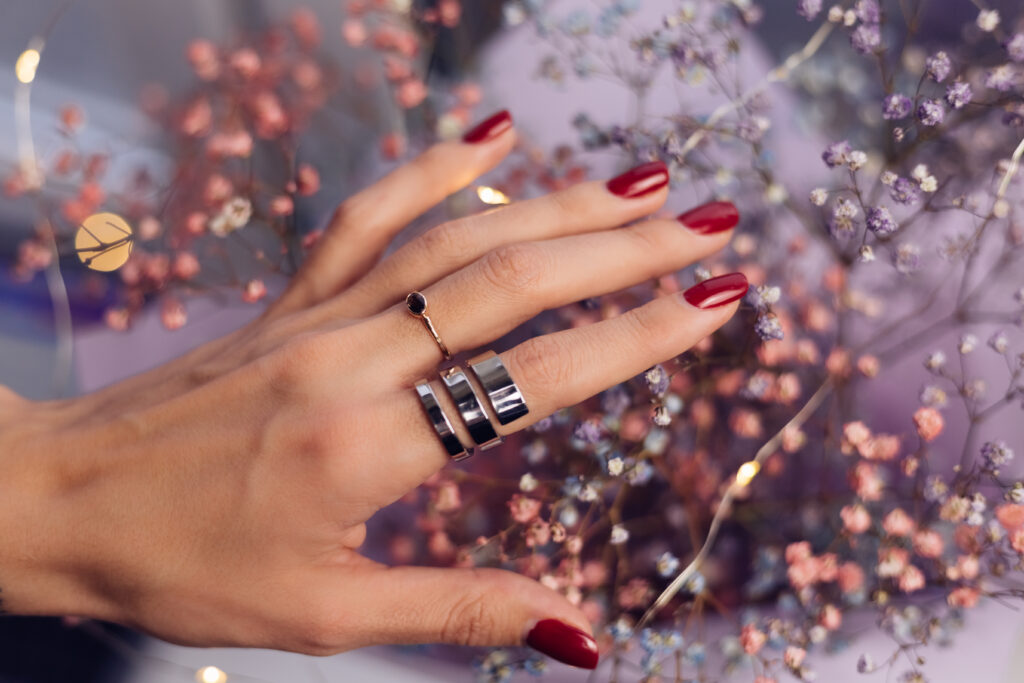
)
(747, 472)
(25, 67)
(489, 195)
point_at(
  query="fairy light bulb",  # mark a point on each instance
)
(747, 472)
(490, 195)
(25, 67)
(211, 674)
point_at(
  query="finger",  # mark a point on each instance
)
(514, 283)
(365, 224)
(477, 607)
(561, 369)
(586, 207)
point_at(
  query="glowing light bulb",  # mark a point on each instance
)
(489, 195)
(25, 67)
(746, 472)
(211, 674)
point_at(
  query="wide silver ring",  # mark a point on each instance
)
(470, 408)
(505, 397)
(417, 305)
(442, 425)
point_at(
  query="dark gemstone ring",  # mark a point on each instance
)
(417, 305)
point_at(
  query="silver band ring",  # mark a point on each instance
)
(442, 425)
(470, 408)
(505, 397)
(417, 305)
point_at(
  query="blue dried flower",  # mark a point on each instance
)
(880, 221)
(896, 107)
(931, 112)
(768, 327)
(576, 23)
(667, 565)
(620, 631)
(938, 66)
(958, 94)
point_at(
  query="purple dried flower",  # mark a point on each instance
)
(996, 453)
(808, 9)
(657, 380)
(896, 107)
(931, 112)
(866, 38)
(938, 66)
(1015, 47)
(588, 431)
(836, 154)
(880, 220)
(904, 191)
(768, 327)
(958, 94)
(868, 11)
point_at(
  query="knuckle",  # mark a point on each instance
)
(445, 240)
(470, 621)
(649, 327)
(292, 366)
(316, 635)
(650, 239)
(513, 268)
(545, 364)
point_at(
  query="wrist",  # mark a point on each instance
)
(40, 565)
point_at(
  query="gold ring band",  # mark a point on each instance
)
(417, 305)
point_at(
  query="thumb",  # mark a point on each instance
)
(471, 607)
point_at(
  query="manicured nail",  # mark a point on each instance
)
(565, 643)
(710, 218)
(717, 291)
(636, 182)
(489, 128)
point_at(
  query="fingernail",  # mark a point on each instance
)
(636, 182)
(717, 291)
(565, 643)
(489, 128)
(710, 218)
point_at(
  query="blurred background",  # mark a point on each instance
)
(101, 54)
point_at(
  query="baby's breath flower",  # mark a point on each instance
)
(935, 360)
(819, 196)
(866, 254)
(667, 565)
(996, 454)
(896, 107)
(808, 9)
(988, 20)
(856, 160)
(889, 178)
(764, 297)
(958, 94)
(930, 112)
(999, 342)
(880, 221)
(933, 396)
(768, 327)
(968, 343)
(528, 483)
(938, 66)
(1015, 47)
(662, 417)
(836, 154)
(835, 14)
(907, 258)
(866, 38)
(615, 466)
(904, 191)
(619, 535)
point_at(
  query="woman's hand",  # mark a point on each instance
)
(222, 498)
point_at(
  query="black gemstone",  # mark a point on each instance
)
(417, 303)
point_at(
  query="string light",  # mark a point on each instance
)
(25, 67)
(490, 195)
(211, 674)
(746, 472)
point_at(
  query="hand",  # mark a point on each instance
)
(221, 499)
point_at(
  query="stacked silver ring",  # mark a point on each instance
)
(503, 396)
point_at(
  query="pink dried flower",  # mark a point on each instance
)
(185, 266)
(856, 518)
(752, 639)
(446, 496)
(797, 551)
(891, 562)
(523, 508)
(218, 189)
(929, 423)
(307, 180)
(538, 533)
(117, 319)
(72, 118)
(850, 577)
(148, 228)
(393, 146)
(271, 119)
(197, 118)
(411, 93)
(1011, 516)
(746, 423)
(830, 617)
(880, 447)
(794, 656)
(967, 567)
(911, 579)
(282, 205)
(195, 223)
(804, 572)
(202, 56)
(353, 31)
(245, 62)
(234, 144)
(899, 523)
(866, 481)
(306, 27)
(172, 314)
(868, 366)
(928, 543)
(636, 593)
(1017, 541)
(964, 596)
(856, 433)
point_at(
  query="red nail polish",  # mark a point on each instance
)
(711, 218)
(717, 291)
(565, 643)
(636, 182)
(489, 128)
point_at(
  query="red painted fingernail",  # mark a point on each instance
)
(717, 291)
(710, 218)
(489, 128)
(565, 643)
(636, 182)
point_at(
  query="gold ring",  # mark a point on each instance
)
(417, 305)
